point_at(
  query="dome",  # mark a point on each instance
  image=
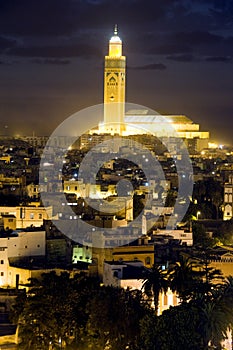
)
(115, 39)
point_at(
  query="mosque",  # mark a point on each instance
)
(119, 121)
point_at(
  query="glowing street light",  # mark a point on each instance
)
(198, 214)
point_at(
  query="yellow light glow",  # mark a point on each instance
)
(115, 50)
(212, 145)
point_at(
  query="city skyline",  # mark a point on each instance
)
(179, 60)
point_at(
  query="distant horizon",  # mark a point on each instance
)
(48, 135)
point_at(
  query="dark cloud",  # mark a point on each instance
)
(152, 66)
(188, 44)
(38, 18)
(5, 62)
(64, 17)
(207, 15)
(181, 58)
(197, 38)
(229, 42)
(150, 27)
(134, 14)
(6, 43)
(218, 59)
(50, 61)
(81, 50)
(171, 48)
(222, 12)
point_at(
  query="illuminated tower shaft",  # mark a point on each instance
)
(114, 87)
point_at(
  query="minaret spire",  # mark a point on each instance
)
(116, 29)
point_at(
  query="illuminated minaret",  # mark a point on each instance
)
(114, 86)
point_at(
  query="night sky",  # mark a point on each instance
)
(179, 59)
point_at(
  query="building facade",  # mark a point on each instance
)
(228, 198)
(114, 87)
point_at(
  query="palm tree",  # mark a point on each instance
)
(228, 288)
(215, 314)
(214, 321)
(212, 278)
(155, 282)
(184, 276)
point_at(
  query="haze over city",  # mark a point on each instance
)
(179, 60)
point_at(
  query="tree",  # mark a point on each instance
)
(170, 198)
(199, 191)
(61, 312)
(138, 205)
(225, 233)
(212, 278)
(215, 317)
(155, 282)
(184, 276)
(215, 194)
(200, 237)
(114, 318)
(174, 329)
(54, 311)
(199, 324)
(209, 195)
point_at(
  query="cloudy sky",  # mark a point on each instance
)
(179, 59)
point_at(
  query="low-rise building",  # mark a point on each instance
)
(185, 237)
(131, 274)
(27, 216)
(17, 247)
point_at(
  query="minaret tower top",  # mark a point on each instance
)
(115, 44)
(114, 87)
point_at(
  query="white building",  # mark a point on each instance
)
(185, 237)
(19, 245)
(228, 199)
(130, 275)
(87, 190)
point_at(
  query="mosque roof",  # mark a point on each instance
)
(145, 116)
